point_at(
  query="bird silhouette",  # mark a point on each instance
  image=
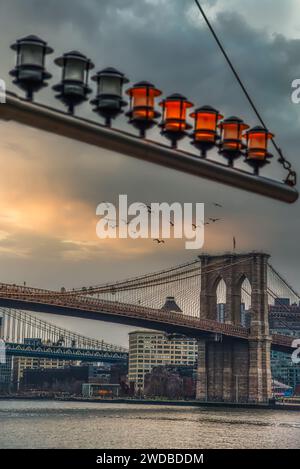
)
(195, 226)
(159, 241)
(147, 206)
(171, 223)
(214, 220)
(105, 203)
(218, 205)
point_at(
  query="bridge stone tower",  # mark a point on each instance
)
(232, 370)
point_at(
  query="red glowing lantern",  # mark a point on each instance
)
(174, 123)
(257, 147)
(232, 144)
(142, 113)
(205, 132)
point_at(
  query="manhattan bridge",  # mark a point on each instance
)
(182, 300)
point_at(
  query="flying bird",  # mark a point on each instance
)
(195, 226)
(218, 205)
(159, 241)
(214, 219)
(105, 203)
(147, 206)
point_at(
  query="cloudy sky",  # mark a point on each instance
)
(50, 186)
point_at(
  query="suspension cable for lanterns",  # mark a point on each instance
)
(291, 178)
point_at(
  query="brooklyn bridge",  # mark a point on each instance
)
(180, 300)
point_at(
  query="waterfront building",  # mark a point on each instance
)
(148, 349)
(284, 370)
(285, 319)
(20, 364)
(6, 372)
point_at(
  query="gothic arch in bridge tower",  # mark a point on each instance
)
(245, 289)
(221, 293)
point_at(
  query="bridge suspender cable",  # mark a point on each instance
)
(285, 283)
(292, 175)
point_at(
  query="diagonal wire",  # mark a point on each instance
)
(292, 175)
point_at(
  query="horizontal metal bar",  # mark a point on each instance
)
(86, 131)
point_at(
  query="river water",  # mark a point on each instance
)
(53, 424)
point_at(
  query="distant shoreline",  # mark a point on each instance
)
(157, 402)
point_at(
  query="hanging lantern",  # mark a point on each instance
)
(142, 102)
(205, 131)
(174, 123)
(30, 73)
(109, 100)
(232, 144)
(73, 87)
(257, 154)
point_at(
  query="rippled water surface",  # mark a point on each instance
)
(50, 424)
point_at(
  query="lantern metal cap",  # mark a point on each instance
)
(233, 120)
(31, 39)
(176, 97)
(143, 84)
(108, 72)
(260, 129)
(74, 54)
(207, 109)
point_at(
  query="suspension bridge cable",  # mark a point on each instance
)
(123, 286)
(49, 328)
(284, 281)
(292, 175)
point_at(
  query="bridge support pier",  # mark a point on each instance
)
(235, 370)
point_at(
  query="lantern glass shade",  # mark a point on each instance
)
(74, 70)
(206, 121)
(232, 134)
(31, 54)
(175, 110)
(110, 85)
(143, 100)
(175, 114)
(257, 143)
